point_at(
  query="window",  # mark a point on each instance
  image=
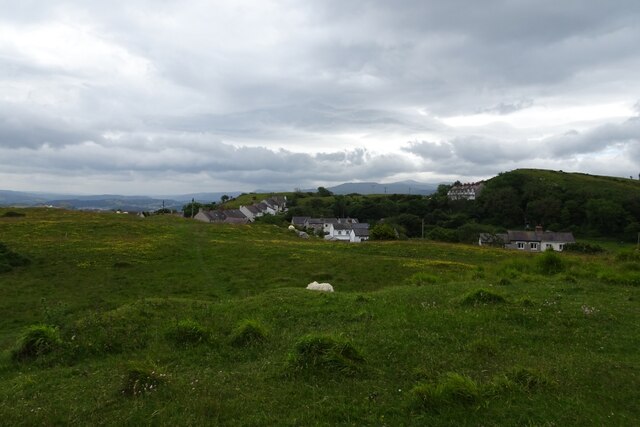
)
(548, 246)
(560, 246)
(520, 245)
(534, 246)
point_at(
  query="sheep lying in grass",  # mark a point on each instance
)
(324, 287)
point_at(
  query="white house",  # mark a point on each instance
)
(465, 191)
(529, 241)
(348, 232)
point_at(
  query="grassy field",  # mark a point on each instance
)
(169, 321)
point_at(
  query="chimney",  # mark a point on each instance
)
(539, 229)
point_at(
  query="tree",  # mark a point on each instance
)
(323, 192)
(605, 216)
(224, 198)
(190, 209)
(382, 231)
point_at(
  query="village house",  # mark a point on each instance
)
(245, 214)
(465, 191)
(529, 241)
(252, 212)
(348, 231)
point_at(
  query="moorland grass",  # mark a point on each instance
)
(564, 352)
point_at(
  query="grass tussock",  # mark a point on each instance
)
(140, 379)
(482, 297)
(325, 354)
(247, 333)
(527, 378)
(452, 389)
(550, 263)
(36, 341)
(188, 332)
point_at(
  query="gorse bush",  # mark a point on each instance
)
(248, 332)
(319, 353)
(188, 332)
(13, 214)
(584, 248)
(10, 259)
(37, 340)
(550, 263)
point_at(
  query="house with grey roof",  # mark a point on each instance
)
(299, 221)
(529, 241)
(235, 216)
(348, 232)
(210, 216)
(252, 212)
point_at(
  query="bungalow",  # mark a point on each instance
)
(235, 216)
(529, 241)
(210, 216)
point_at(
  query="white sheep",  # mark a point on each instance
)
(324, 287)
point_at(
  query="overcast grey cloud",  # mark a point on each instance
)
(146, 96)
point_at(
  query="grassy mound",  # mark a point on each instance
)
(188, 332)
(248, 332)
(320, 353)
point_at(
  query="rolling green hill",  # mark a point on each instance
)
(589, 204)
(121, 320)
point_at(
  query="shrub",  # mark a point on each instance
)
(248, 332)
(383, 231)
(141, 379)
(443, 235)
(585, 248)
(325, 354)
(36, 341)
(628, 255)
(13, 214)
(482, 296)
(504, 282)
(188, 332)
(550, 263)
(452, 389)
(11, 259)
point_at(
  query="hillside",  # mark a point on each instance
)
(166, 320)
(558, 200)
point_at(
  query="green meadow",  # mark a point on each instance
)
(118, 320)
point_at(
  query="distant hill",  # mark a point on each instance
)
(402, 187)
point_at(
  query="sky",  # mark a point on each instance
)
(169, 97)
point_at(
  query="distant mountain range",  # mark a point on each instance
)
(402, 187)
(146, 203)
